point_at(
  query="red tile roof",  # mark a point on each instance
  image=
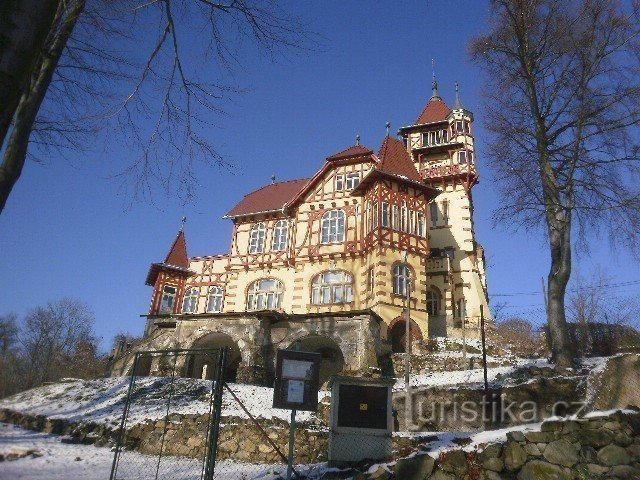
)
(268, 198)
(355, 151)
(435, 111)
(396, 160)
(178, 254)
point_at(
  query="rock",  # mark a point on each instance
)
(591, 471)
(587, 455)
(514, 456)
(489, 475)
(490, 451)
(532, 450)
(562, 453)
(540, 437)
(551, 426)
(594, 438)
(454, 462)
(417, 467)
(613, 455)
(440, 475)
(624, 472)
(634, 451)
(493, 464)
(516, 436)
(539, 470)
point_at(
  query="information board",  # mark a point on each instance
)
(297, 379)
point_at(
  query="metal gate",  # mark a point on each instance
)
(157, 393)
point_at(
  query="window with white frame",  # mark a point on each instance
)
(368, 214)
(420, 222)
(404, 217)
(214, 300)
(352, 180)
(280, 236)
(459, 127)
(412, 224)
(401, 278)
(168, 298)
(332, 287)
(333, 223)
(462, 156)
(339, 183)
(433, 213)
(264, 294)
(385, 215)
(376, 216)
(257, 238)
(433, 302)
(395, 217)
(190, 302)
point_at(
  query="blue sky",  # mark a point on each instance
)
(67, 232)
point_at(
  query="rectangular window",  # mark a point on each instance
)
(450, 253)
(445, 212)
(462, 156)
(420, 220)
(396, 217)
(425, 139)
(404, 217)
(432, 138)
(339, 183)
(168, 299)
(352, 180)
(459, 128)
(412, 225)
(370, 279)
(445, 136)
(385, 214)
(376, 216)
(467, 128)
(438, 137)
(433, 212)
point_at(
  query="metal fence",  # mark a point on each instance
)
(156, 401)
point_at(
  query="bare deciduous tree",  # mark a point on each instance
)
(150, 69)
(563, 105)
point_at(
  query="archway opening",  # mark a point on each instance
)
(332, 361)
(203, 365)
(397, 334)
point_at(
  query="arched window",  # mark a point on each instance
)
(280, 236)
(265, 294)
(433, 302)
(168, 298)
(332, 287)
(401, 278)
(190, 303)
(256, 238)
(333, 226)
(214, 300)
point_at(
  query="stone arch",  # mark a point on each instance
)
(200, 365)
(332, 361)
(397, 330)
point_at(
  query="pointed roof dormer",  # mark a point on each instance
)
(177, 260)
(395, 160)
(435, 111)
(458, 107)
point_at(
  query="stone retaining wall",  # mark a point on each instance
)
(593, 449)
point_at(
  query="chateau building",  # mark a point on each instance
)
(332, 262)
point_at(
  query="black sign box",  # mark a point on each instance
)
(362, 406)
(297, 380)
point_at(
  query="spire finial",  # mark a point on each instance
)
(388, 127)
(434, 82)
(458, 103)
(183, 221)
(358, 139)
(273, 179)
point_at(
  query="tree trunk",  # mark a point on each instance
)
(562, 348)
(30, 101)
(24, 26)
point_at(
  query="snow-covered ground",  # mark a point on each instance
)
(54, 460)
(102, 400)
(466, 377)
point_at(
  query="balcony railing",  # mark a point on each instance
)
(440, 171)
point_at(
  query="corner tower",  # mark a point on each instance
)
(441, 145)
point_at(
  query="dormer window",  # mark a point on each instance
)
(168, 298)
(352, 180)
